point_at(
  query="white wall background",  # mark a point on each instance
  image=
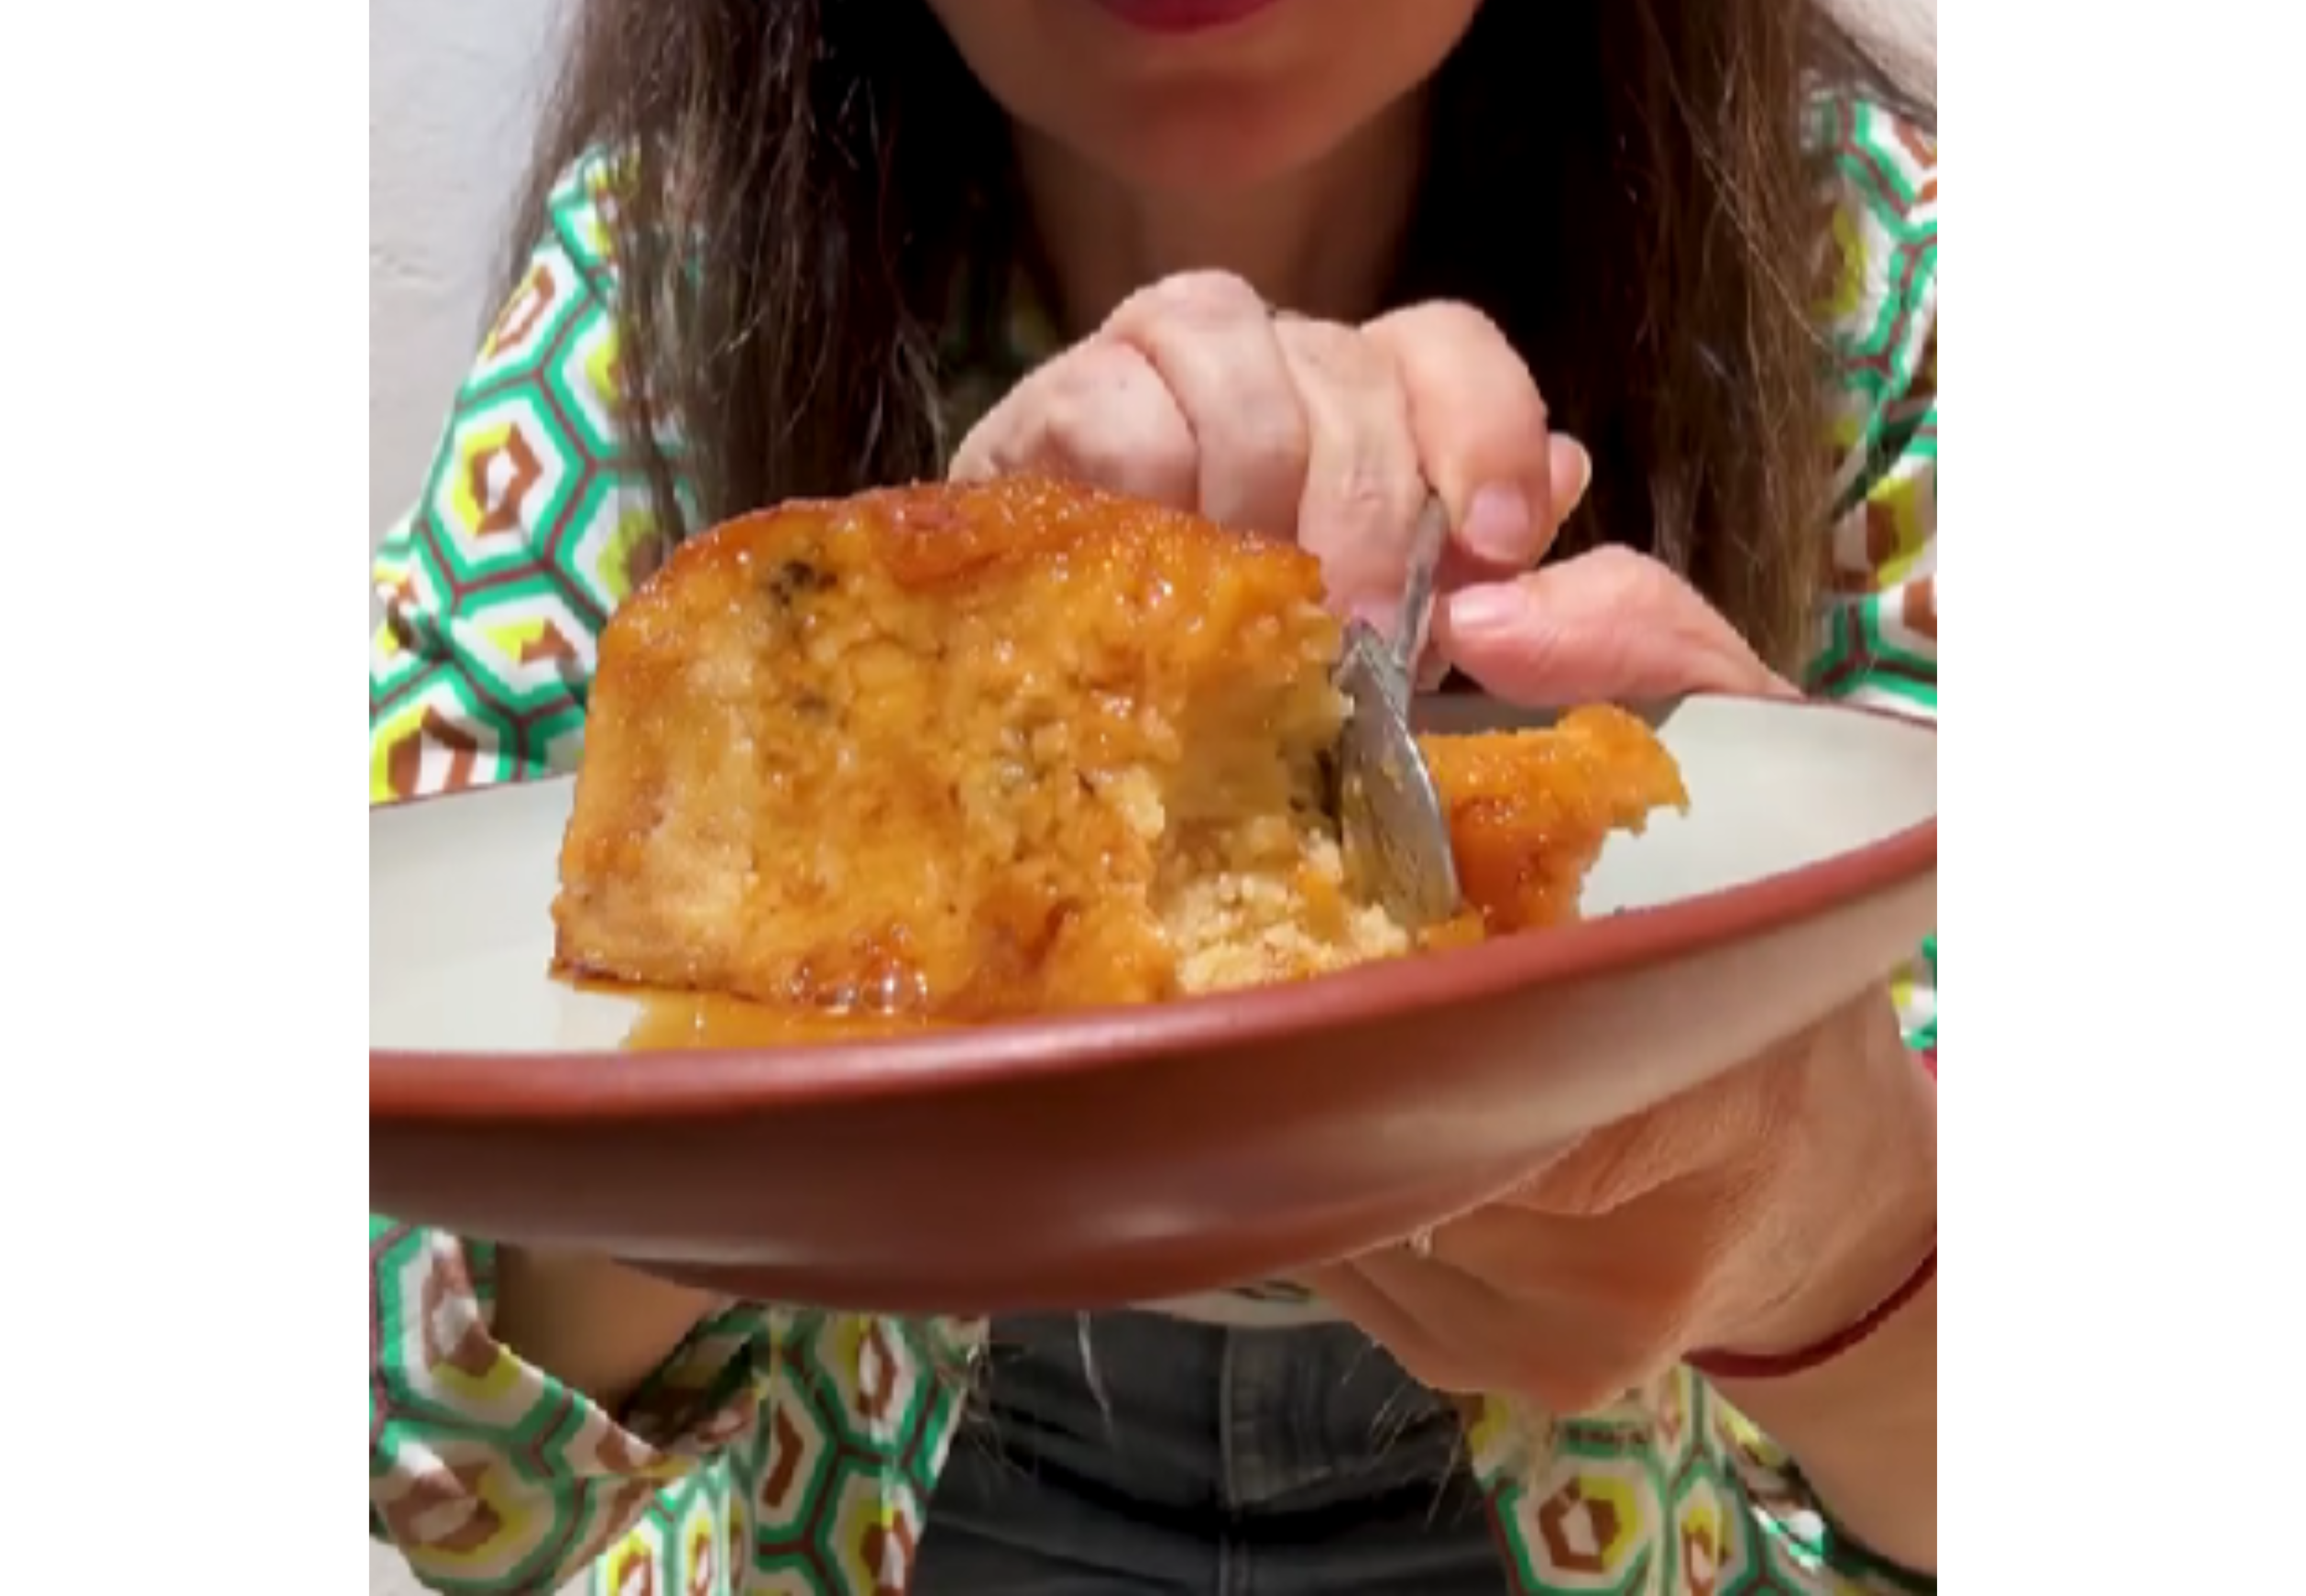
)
(453, 89)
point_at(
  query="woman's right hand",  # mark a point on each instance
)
(1196, 394)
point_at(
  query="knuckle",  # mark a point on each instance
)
(1364, 495)
(1463, 341)
(1627, 577)
(1275, 439)
(1452, 322)
(1106, 418)
(1073, 399)
(1330, 348)
(1210, 294)
(1089, 456)
(1466, 323)
(1520, 414)
(1355, 516)
(1166, 467)
(1196, 298)
(1095, 368)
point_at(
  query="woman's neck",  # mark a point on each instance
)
(1322, 241)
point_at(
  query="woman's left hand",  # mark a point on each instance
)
(1758, 1213)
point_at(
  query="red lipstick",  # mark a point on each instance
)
(1183, 16)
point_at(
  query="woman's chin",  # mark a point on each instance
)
(1207, 147)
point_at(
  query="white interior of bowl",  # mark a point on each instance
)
(460, 889)
(1772, 788)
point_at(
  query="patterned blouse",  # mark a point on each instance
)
(780, 1450)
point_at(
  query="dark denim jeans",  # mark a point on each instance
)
(1193, 1459)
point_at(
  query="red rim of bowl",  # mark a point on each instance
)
(590, 1085)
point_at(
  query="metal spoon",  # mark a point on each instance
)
(1397, 835)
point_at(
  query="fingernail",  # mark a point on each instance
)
(1497, 525)
(1485, 610)
(1571, 469)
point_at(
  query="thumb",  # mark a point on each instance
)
(1610, 625)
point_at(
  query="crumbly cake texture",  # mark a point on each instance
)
(969, 752)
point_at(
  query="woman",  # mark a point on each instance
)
(1640, 306)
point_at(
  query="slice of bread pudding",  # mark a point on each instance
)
(972, 752)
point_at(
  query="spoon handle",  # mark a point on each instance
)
(1417, 620)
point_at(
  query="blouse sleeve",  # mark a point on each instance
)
(1879, 637)
(486, 1473)
(533, 525)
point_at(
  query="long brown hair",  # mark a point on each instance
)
(1623, 185)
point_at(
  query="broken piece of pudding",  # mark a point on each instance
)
(969, 752)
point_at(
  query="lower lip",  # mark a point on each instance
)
(1183, 16)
